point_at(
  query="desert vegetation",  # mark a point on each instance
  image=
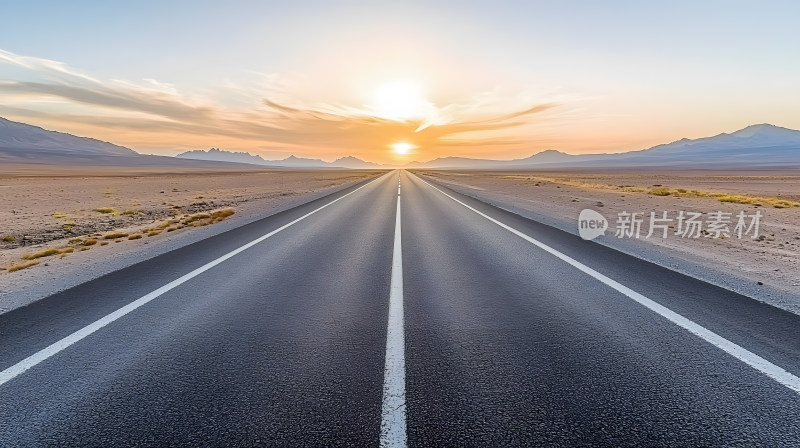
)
(107, 211)
(22, 265)
(662, 190)
(48, 217)
(86, 243)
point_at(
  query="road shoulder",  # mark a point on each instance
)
(702, 268)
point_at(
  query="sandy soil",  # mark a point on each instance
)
(61, 211)
(766, 268)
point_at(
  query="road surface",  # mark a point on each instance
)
(398, 312)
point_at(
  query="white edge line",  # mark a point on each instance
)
(769, 369)
(52, 349)
(393, 409)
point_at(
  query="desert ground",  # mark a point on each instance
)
(766, 268)
(59, 228)
(56, 223)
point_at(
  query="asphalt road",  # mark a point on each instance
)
(458, 324)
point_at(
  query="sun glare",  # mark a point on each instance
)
(402, 148)
(399, 100)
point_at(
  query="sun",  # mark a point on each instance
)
(399, 100)
(402, 148)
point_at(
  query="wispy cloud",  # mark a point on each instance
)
(153, 114)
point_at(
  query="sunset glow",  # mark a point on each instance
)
(399, 100)
(483, 81)
(402, 148)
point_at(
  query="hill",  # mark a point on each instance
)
(756, 146)
(215, 154)
(24, 141)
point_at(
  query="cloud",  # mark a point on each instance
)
(53, 69)
(156, 115)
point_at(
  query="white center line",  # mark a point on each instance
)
(393, 412)
(769, 369)
(34, 359)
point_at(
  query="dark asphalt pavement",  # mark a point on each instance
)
(505, 345)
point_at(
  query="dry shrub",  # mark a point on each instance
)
(660, 191)
(22, 265)
(222, 214)
(107, 211)
(198, 216)
(40, 254)
(666, 191)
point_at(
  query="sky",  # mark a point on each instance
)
(392, 82)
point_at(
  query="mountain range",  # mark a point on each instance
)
(217, 154)
(36, 148)
(762, 145)
(27, 141)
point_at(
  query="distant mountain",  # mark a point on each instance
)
(455, 162)
(547, 156)
(755, 136)
(24, 141)
(218, 155)
(24, 144)
(756, 146)
(761, 145)
(299, 162)
(756, 143)
(353, 163)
